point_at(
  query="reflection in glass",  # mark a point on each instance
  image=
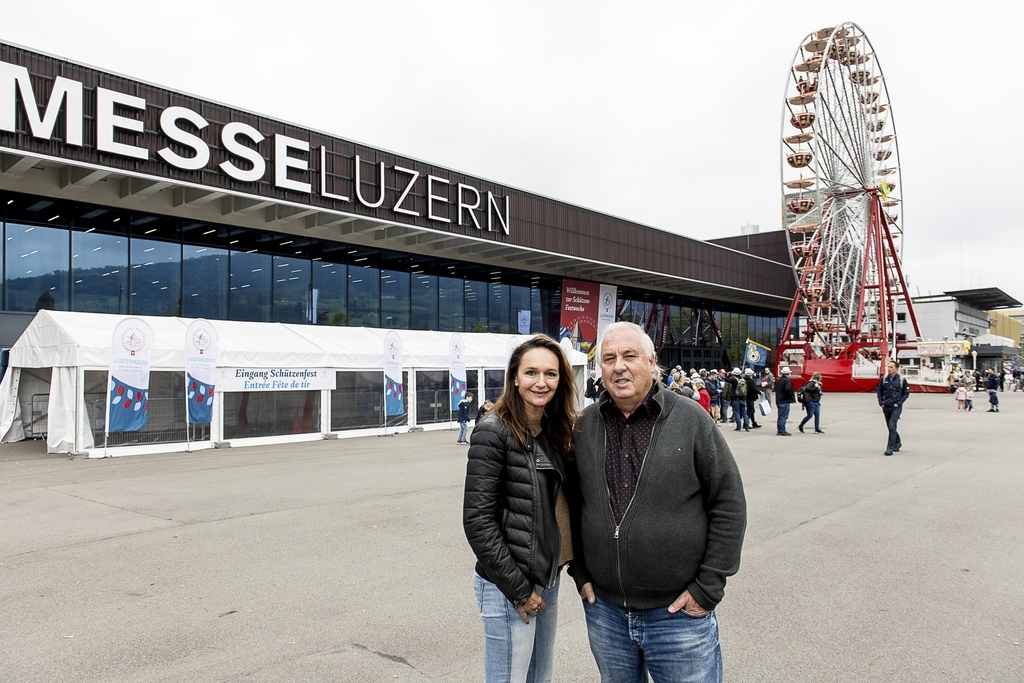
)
(37, 268)
(499, 317)
(450, 297)
(494, 384)
(329, 293)
(476, 306)
(99, 273)
(364, 296)
(250, 286)
(291, 290)
(270, 413)
(519, 299)
(155, 277)
(205, 282)
(394, 299)
(424, 302)
(433, 397)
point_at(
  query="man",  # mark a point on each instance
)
(712, 387)
(992, 385)
(726, 397)
(591, 393)
(784, 398)
(738, 399)
(892, 394)
(661, 517)
(752, 392)
(767, 383)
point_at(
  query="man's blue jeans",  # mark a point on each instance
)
(892, 418)
(780, 423)
(739, 413)
(674, 648)
(515, 652)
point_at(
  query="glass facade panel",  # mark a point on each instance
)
(450, 304)
(357, 400)
(270, 413)
(37, 262)
(99, 273)
(364, 296)
(205, 278)
(251, 280)
(394, 299)
(155, 277)
(494, 384)
(329, 293)
(476, 306)
(291, 290)
(424, 298)
(499, 316)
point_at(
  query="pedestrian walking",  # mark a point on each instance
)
(768, 384)
(659, 533)
(753, 391)
(738, 392)
(893, 392)
(812, 403)
(520, 479)
(726, 398)
(591, 392)
(992, 385)
(463, 419)
(784, 398)
(713, 387)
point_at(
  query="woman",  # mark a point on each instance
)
(516, 513)
(812, 392)
(703, 397)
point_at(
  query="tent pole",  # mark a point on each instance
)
(188, 441)
(106, 417)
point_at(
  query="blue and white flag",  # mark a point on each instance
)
(756, 354)
(200, 370)
(131, 351)
(457, 369)
(394, 389)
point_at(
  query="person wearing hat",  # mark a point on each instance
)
(713, 388)
(784, 398)
(725, 396)
(753, 391)
(738, 399)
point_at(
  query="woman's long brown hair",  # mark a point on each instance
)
(560, 411)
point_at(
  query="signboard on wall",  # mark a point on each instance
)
(275, 379)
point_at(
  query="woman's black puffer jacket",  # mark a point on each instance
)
(501, 506)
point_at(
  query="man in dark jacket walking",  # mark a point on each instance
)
(893, 392)
(784, 398)
(753, 390)
(661, 516)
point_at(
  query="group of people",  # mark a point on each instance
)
(963, 384)
(638, 496)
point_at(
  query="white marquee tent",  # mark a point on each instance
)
(51, 365)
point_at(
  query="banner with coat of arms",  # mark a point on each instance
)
(457, 369)
(200, 370)
(756, 354)
(394, 389)
(131, 352)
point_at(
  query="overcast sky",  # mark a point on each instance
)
(666, 113)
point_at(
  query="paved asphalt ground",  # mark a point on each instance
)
(345, 560)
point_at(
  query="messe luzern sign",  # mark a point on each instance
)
(54, 108)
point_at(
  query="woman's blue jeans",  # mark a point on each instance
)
(515, 652)
(813, 410)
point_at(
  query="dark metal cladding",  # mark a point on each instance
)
(536, 222)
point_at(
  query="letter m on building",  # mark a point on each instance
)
(15, 80)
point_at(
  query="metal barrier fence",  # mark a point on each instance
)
(35, 427)
(167, 423)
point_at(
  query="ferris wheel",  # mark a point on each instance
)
(841, 195)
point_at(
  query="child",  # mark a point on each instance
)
(961, 399)
(464, 406)
(970, 401)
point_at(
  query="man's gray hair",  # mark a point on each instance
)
(646, 343)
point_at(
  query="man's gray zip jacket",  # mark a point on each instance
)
(684, 528)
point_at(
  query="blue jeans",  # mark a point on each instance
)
(515, 652)
(892, 417)
(462, 431)
(780, 423)
(674, 648)
(813, 410)
(739, 413)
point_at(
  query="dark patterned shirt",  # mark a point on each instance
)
(625, 448)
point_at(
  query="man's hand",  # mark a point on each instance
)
(532, 606)
(587, 593)
(686, 603)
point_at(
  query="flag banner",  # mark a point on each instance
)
(394, 389)
(579, 314)
(457, 369)
(524, 318)
(756, 354)
(200, 370)
(606, 310)
(131, 352)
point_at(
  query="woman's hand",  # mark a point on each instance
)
(532, 606)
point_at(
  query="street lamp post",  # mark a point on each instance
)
(974, 360)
